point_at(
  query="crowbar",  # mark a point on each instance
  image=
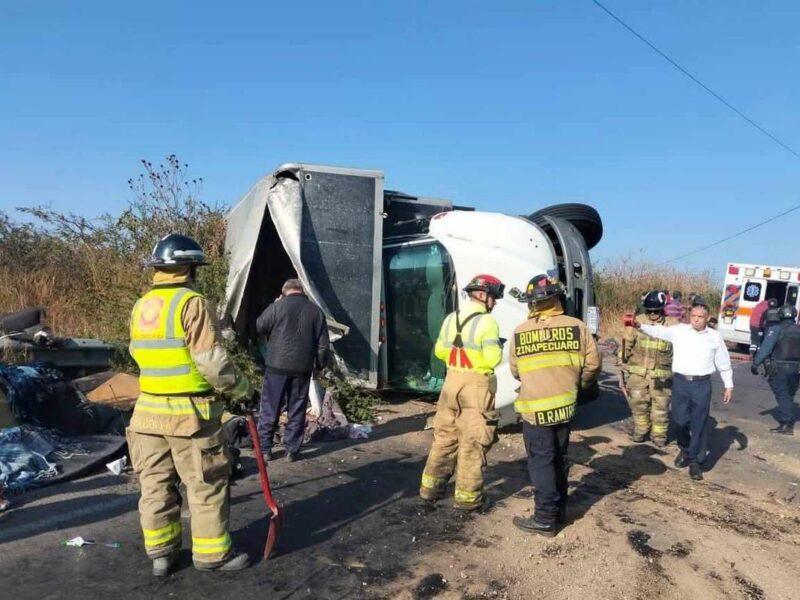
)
(276, 519)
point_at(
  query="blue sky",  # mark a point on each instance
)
(505, 107)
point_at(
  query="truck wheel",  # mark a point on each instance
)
(584, 217)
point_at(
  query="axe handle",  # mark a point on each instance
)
(262, 467)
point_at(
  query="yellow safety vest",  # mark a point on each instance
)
(158, 344)
(478, 348)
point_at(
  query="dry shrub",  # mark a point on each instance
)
(620, 285)
(88, 273)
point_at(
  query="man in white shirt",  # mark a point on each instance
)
(697, 351)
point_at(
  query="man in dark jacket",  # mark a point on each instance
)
(297, 343)
(781, 347)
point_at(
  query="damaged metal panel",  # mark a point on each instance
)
(324, 226)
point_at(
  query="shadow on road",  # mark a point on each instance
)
(609, 473)
(720, 440)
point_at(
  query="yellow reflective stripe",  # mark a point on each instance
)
(638, 370)
(219, 545)
(158, 344)
(165, 371)
(433, 483)
(527, 405)
(173, 318)
(467, 497)
(159, 537)
(170, 405)
(527, 364)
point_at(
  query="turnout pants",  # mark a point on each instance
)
(691, 403)
(784, 386)
(463, 431)
(201, 462)
(548, 468)
(649, 402)
(279, 392)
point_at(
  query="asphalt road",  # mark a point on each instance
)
(353, 527)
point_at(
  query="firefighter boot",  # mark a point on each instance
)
(163, 564)
(237, 562)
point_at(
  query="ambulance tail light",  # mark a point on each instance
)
(733, 270)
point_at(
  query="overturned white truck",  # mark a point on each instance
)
(387, 267)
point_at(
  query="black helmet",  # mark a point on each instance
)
(541, 287)
(176, 250)
(787, 311)
(654, 301)
(486, 283)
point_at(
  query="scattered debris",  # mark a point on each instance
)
(750, 590)
(680, 549)
(430, 587)
(638, 540)
(118, 466)
(78, 542)
(359, 431)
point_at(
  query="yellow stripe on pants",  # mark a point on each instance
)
(162, 535)
(218, 545)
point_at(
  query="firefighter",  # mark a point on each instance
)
(781, 347)
(175, 433)
(465, 422)
(554, 356)
(646, 372)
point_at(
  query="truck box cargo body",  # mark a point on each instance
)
(387, 267)
(745, 286)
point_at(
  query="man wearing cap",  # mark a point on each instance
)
(554, 356)
(465, 422)
(698, 351)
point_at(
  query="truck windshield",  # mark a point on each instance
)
(419, 294)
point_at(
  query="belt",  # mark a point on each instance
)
(693, 377)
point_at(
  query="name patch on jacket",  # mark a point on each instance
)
(555, 339)
(555, 415)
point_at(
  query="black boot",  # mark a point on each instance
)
(531, 525)
(682, 460)
(783, 429)
(695, 472)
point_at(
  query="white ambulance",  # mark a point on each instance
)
(747, 285)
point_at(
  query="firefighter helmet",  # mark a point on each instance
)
(654, 301)
(787, 311)
(486, 283)
(541, 287)
(176, 250)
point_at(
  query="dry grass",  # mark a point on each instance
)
(86, 273)
(621, 284)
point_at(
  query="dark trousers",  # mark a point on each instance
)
(691, 403)
(756, 337)
(547, 467)
(281, 391)
(784, 386)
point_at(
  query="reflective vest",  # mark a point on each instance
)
(649, 355)
(469, 341)
(158, 346)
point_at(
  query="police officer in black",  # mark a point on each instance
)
(780, 350)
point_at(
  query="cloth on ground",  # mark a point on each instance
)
(33, 456)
